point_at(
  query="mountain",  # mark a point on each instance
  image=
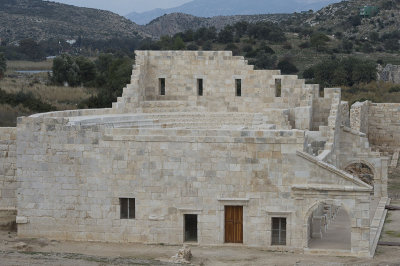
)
(344, 17)
(212, 8)
(179, 22)
(39, 20)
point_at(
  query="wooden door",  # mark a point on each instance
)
(233, 224)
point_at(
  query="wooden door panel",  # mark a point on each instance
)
(234, 224)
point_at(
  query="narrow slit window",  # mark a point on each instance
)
(278, 236)
(127, 207)
(238, 83)
(200, 87)
(162, 86)
(278, 87)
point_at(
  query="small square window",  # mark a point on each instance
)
(278, 231)
(238, 83)
(162, 86)
(200, 87)
(127, 208)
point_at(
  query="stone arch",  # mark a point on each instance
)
(331, 228)
(362, 169)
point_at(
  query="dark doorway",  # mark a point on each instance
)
(233, 224)
(190, 227)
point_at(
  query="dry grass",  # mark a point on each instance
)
(62, 98)
(376, 91)
(29, 65)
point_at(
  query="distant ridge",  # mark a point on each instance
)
(39, 20)
(212, 8)
(179, 22)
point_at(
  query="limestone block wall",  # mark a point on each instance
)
(354, 147)
(8, 184)
(359, 116)
(384, 125)
(72, 177)
(219, 70)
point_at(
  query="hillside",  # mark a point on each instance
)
(178, 22)
(39, 20)
(212, 8)
(344, 16)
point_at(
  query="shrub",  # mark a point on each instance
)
(348, 71)
(192, 47)
(3, 65)
(27, 100)
(287, 67)
(232, 47)
(394, 89)
(319, 40)
(305, 45)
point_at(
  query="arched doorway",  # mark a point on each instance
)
(362, 171)
(329, 227)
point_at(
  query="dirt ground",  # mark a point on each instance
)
(45, 252)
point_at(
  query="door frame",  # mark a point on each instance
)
(221, 209)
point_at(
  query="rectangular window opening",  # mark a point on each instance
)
(127, 207)
(238, 83)
(278, 236)
(278, 87)
(200, 87)
(190, 227)
(162, 86)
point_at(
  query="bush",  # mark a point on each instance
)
(318, 41)
(65, 69)
(305, 45)
(192, 47)
(27, 100)
(232, 47)
(264, 61)
(287, 67)
(226, 35)
(394, 89)
(3, 65)
(345, 72)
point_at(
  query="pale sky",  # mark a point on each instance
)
(124, 7)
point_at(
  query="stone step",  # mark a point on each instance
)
(166, 104)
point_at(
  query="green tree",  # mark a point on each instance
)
(264, 60)
(287, 67)
(178, 44)
(87, 71)
(232, 47)
(226, 35)
(318, 41)
(65, 69)
(31, 49)
(3, 65)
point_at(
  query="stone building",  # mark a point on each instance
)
(202, 148)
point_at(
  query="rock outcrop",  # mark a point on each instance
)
(389, 73)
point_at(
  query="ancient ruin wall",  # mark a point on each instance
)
(359, 116)
(384, 125)
(8, 159)
(219, 70)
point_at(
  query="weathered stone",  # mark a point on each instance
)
(183, 154)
